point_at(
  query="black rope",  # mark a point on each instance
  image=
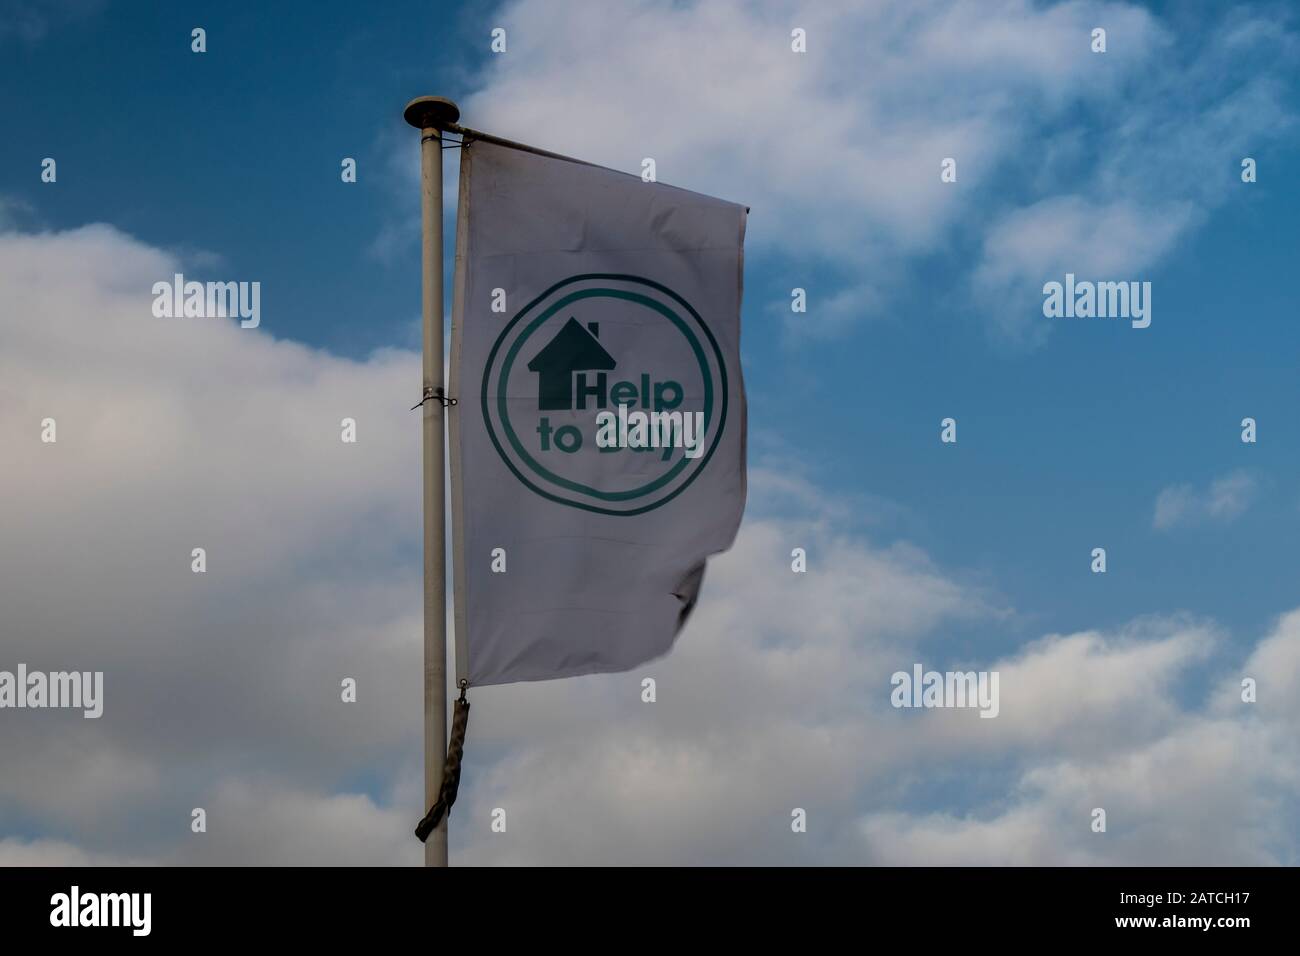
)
(450, 770)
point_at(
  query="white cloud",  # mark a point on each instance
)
(1067, 160)
(829, 317)
(765, 704)
(837, 149)
(1181, 785)
(183, 433)
(222, 690)
(16, 852)
(1275, 667)
(260, 823)
(1076, 693)
(1224, 500)
(1112, 241)
(759, 713)
(1211, 792)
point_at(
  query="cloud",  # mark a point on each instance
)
(1223, 501)
(1275, 666)
(262, 823)
(1067, 159)
(828, 319)
(222, 689)
(182, 433)
(1180, 786)
(838, 149)
(753, 720)
(764, 705)
(16, 852)
(1115, 241)
(1076, 692)
(1127, 181)
(1211, 792)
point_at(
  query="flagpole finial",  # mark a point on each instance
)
(436, 111)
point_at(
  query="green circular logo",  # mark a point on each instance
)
(607, 392)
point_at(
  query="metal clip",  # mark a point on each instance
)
(437, 395)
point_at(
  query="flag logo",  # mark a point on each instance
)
(606, 343)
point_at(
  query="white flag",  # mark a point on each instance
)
(598, 443)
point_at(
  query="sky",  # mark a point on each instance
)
(1120, 690)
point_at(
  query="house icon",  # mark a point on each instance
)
(574, 349)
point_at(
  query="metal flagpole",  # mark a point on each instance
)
(431, 115)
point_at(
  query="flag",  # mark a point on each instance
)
(598, 440)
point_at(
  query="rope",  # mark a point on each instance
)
(450, 770)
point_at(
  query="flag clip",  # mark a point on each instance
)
(446, 144)
(437, 395)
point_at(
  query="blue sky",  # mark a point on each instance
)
(1068, 430)
(1061, 448)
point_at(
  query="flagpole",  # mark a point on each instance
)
(431, 115)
